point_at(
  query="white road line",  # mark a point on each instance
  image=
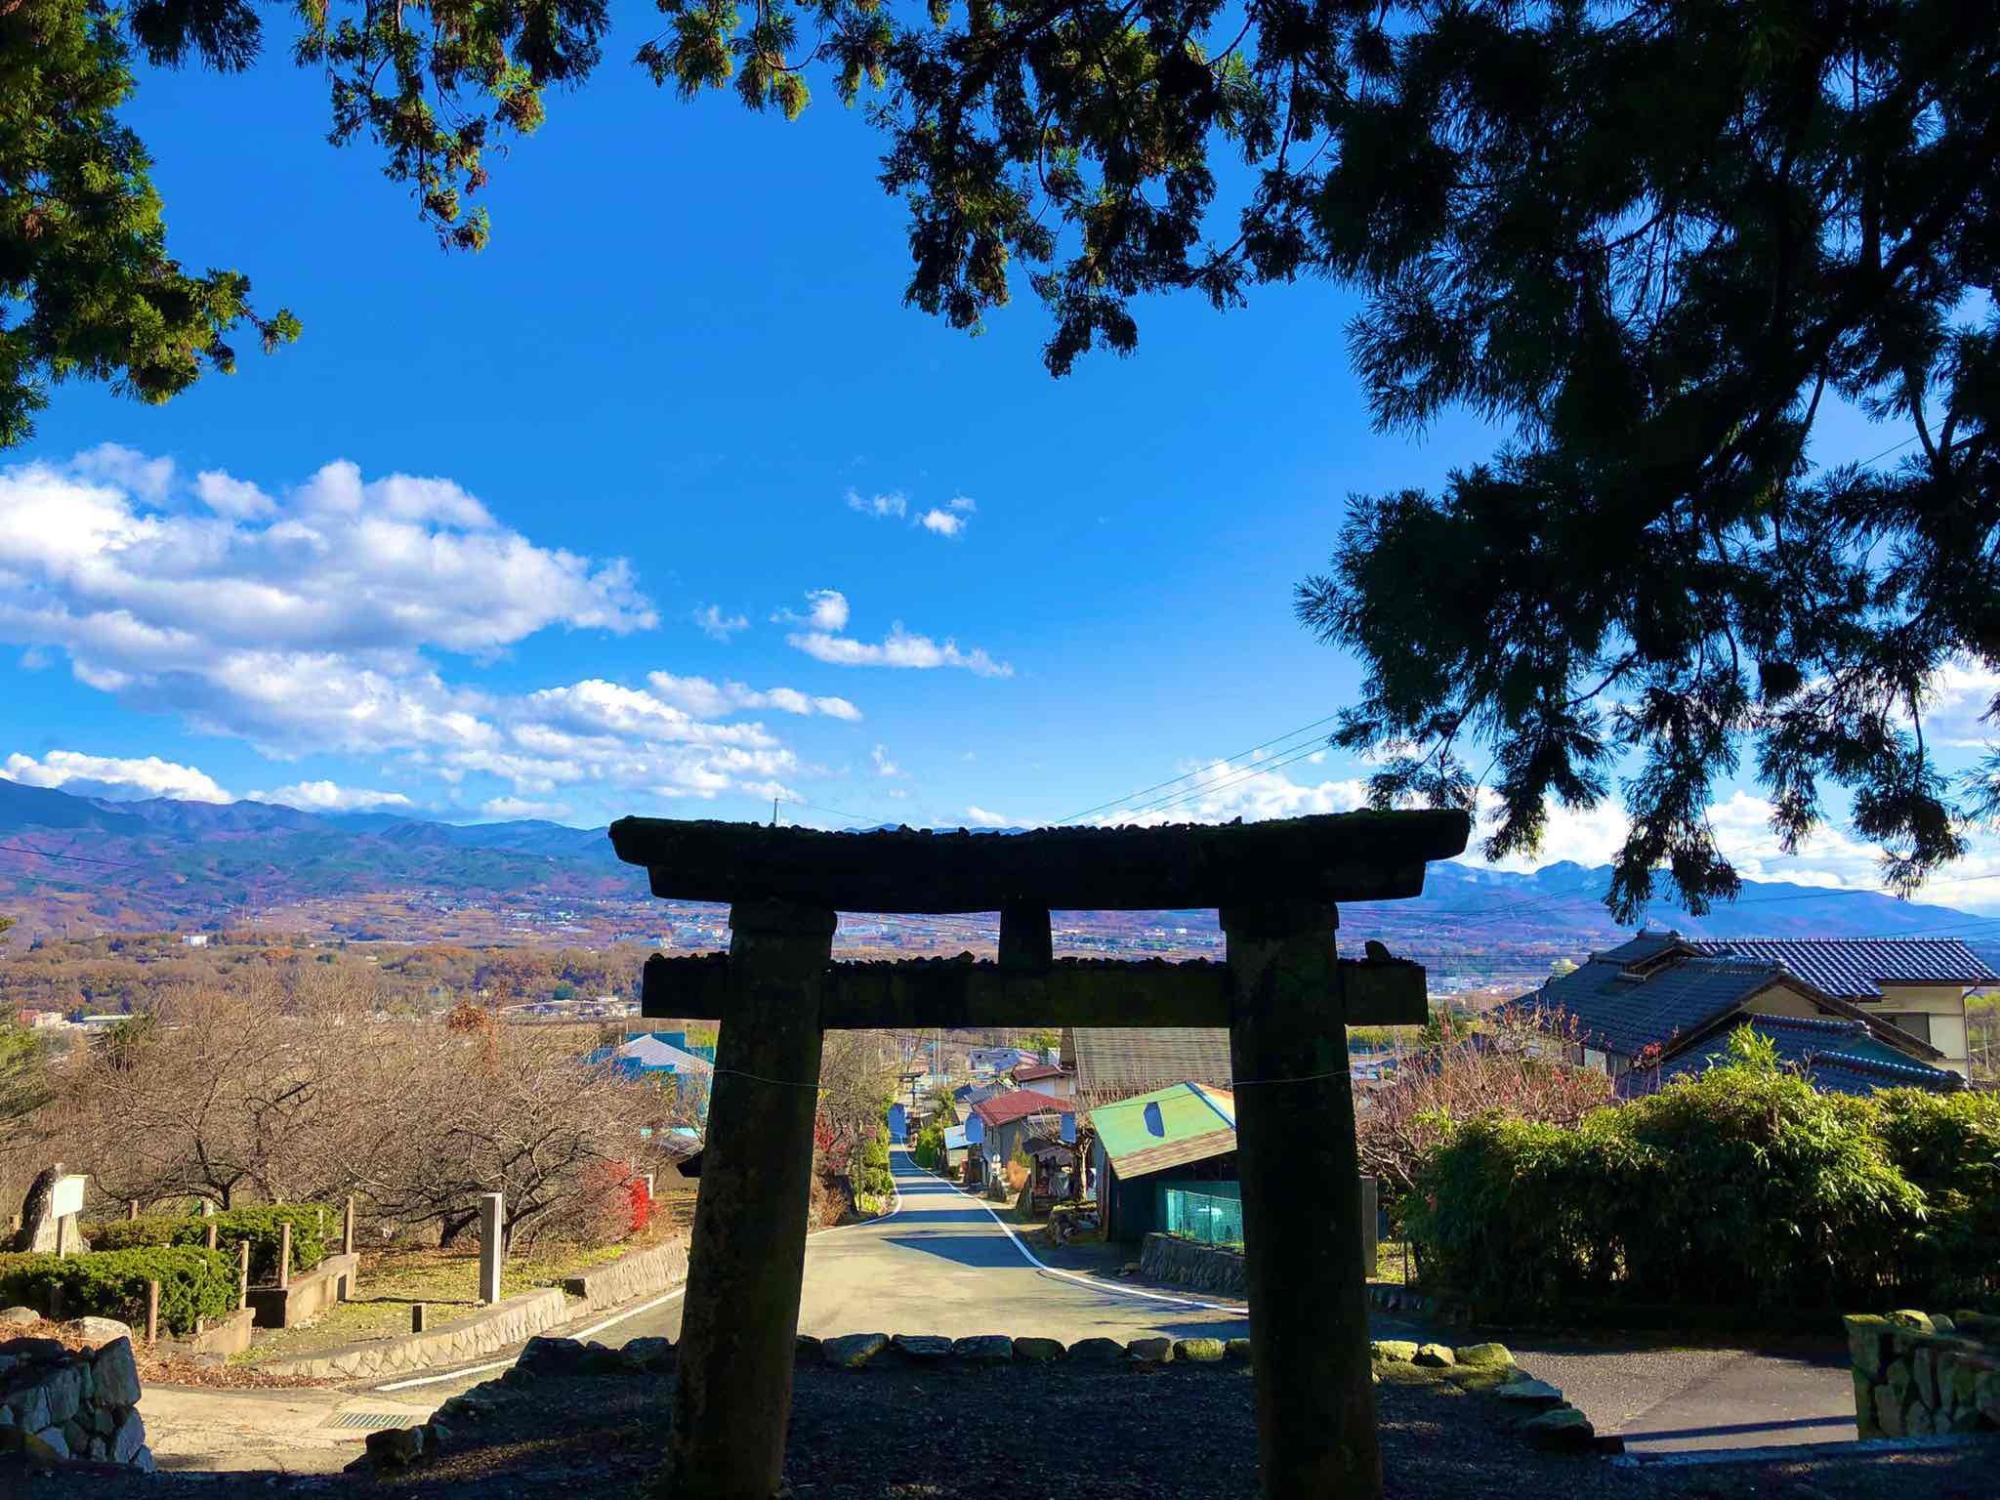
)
(404, 1385)
(1086, 1281)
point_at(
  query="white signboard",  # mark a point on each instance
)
(66, 1197)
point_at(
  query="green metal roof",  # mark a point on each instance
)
(1169, 1127)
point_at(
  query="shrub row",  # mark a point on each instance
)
(112, 1284)
(312, 1224)
(1743, 1187)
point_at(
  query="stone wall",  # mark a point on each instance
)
(506, 1322)
(1919, 1374)
(1207, 1268)
(310, 1294)
(631, 1277)
(60, 1405)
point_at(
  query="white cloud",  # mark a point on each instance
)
(900, 648)
(148, 776)
(322, 620)
(1220, 790)
(892, 505)
(718, 625)
(328, 796)
(979, 817)
(300, 626)
(950, 519)
(706, 700)
(508, 809)
(883, 765)
(236, 498)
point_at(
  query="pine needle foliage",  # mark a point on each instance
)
(1655, 242)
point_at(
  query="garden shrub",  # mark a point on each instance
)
(112, 1284)
(1949, 1145)
(872, 1176)
(1742, 1186)
(260, 1224)
(927, 1150)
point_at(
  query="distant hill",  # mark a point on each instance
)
(85, 864)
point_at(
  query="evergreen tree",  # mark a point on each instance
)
(1654, 240)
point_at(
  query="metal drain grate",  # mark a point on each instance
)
(370, 1421)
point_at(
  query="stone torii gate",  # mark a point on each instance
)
(1285, 997)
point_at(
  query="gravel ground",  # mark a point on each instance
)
(918, 1434)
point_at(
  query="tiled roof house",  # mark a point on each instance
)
(1840, 1011)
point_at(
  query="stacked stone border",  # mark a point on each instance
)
(61, 1406)
(600, 1289)
(1544, 1419)
(1925, 1374)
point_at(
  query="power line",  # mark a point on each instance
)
(1249, 773)
(1203, 771)
(81, 859)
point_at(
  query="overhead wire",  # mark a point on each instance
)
(1121, 801)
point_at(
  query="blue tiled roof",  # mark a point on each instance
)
(1616, 1010)
(1839, 1056)
(1856, 968)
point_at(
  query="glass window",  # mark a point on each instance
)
(1915, 1023)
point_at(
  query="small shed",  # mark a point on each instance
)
(1180, 1136)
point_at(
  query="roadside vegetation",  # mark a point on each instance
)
(1741, 1187)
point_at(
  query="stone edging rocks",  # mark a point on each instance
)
(1923, 1375)
(1546, 1420)
(509, 1321)
(61, 1405)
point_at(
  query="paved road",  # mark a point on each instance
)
(943, 1264)
(1682, 1400)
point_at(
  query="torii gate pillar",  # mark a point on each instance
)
(733, 1394)
(1296, 1158)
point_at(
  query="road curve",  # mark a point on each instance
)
(943, 1264)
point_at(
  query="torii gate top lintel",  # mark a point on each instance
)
(1335, 857)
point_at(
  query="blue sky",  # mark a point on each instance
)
(680, 386)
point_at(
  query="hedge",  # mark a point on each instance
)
(1743, 1187)
(260, 1225)
(112, 1284)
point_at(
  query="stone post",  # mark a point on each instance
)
(242, 1273)
(733, 1397)
(284, 1255)
(1301, 1212)
(152, 1312)
(131, 1208)
(211, 1236)
(419, 1317)
(490, 1220)
(347, 1227)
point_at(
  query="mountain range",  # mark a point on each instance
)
(82, 864)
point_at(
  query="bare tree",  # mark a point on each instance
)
(1515, 1066)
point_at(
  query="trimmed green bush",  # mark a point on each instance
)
(1740, 1187)
(927, 1150)
(112, 1284)
(311, 1223)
